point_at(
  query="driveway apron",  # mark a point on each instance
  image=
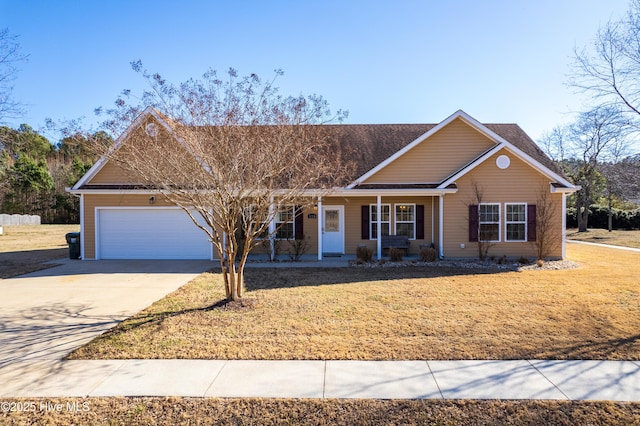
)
(47, 314)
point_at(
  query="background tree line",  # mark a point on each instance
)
(34, 173)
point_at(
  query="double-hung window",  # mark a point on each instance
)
(385, 220)
(489, 222)
(285, 229)
(405, 219)
(516, 222)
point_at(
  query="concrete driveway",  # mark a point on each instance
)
(47, 314)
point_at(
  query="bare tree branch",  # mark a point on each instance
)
(10, 58)
(610, 71)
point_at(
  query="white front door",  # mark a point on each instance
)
(333, 229)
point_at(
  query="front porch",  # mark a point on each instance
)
(367, 217)
(260, 260)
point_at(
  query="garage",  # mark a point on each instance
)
(149, 233)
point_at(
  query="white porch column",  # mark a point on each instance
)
(320, 217)
(433, 220)
(564, 225)
(379, 226)
(82, 233)
(441, 226)
(272, 226)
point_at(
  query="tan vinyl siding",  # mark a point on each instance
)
(111, 174)
(119, 169)
(446, 152)
(519, 183)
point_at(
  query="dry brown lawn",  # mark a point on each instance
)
(414, 313)
(24, 249)
(197, 411)
(623, 238)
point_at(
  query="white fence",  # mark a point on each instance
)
(18, 219)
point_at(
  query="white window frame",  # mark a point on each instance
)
(373, 224)
(508, 222)
(396, 221)
(277, 221)
(481, 222)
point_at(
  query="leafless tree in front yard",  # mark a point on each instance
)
(547, 236)
(236, 156)
(481, 235)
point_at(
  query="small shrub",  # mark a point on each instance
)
(428, 254)
(395, 254)
(540, 263)
(364, 253)
(297, 248)
(523, 260)
(502, 260)
(272, 250)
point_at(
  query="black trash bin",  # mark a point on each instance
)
(73, 239)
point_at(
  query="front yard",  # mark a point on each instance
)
(592, 312)
(391, 313)
(251, 411)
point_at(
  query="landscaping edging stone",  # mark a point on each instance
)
(554, 265)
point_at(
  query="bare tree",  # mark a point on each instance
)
(556, 144)
(622, 182)
(610, 71)
(235, 156)
(547, 238)
(10, 57)
(597, 135)
(482, 235)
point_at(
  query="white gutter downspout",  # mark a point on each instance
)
(441, 226)
(82, 226)
(564, 225)
(271, 229)
(320, 227)
(433, 221)
(379, 226)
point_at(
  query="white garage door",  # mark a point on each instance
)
(149, 233)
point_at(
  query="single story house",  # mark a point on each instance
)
(448, 185)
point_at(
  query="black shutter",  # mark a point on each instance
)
(531, 222)
(474, 223)
(420, 222)
(299, 223)
(365, 223)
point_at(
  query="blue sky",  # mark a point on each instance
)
(383, 61)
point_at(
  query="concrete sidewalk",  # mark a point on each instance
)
(557, 380)
(637, 250)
